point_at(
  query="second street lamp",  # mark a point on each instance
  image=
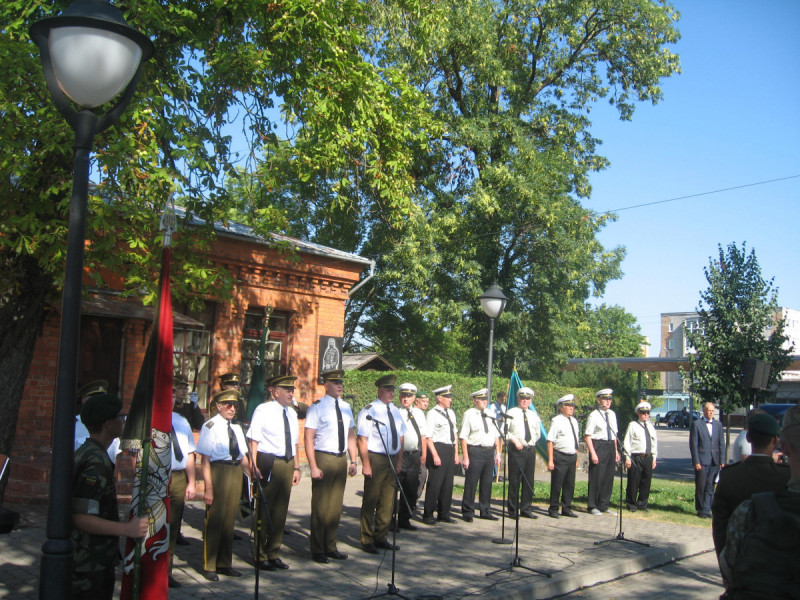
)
(493, 302)
(89, 55)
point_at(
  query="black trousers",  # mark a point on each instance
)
(409, 480)
(601, 475)
(704, 482)
(640, 475)
(439, 493)
(562, 480)
(520, 462)
(478, 476)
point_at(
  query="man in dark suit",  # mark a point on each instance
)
(708, 453)
(757, 473)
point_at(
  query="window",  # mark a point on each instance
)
(672, 344)
(671, 327)
(275, 355)
(191, 351)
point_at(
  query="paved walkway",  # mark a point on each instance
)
(441, 562)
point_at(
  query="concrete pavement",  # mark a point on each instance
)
(441, 562)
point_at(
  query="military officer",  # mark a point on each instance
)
(480, 451)
(184, 406)
(181, 482)
(524, 430)
(329, 439)
(415, 452)
(96, 527)
(380, 444)
(443, 457)
(600, 436)
(276, 468)
(562, 457)
(641, 449)
(223, 449)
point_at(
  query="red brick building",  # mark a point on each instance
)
(305, 300)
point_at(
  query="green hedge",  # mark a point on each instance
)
(361, 384)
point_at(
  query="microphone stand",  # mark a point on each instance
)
(260, 499)
(392, 588)
(620, 537)
(502, 539)
(516, 561)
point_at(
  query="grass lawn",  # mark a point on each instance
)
(670, 501)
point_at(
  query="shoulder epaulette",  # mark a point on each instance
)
(210, 424)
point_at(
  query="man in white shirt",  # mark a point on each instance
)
(600, 436)
(641, 449)
(415, 452)
(275, 467)
(442, 458)
(480, 451)
(329, 438)
(524, 430)
(562, 457)
(380, 445)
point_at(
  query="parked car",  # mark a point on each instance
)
(676, 418)
(667, 417)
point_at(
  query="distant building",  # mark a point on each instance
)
(674, 344)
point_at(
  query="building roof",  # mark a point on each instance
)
(237, 230)
(653, 363)
(365, 361)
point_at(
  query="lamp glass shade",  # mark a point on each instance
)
(92, 65)
(493, 307)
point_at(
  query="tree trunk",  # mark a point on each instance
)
(24, 289)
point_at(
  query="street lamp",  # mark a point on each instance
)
(89, 55)
(493, 301)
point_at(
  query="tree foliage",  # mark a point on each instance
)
(608, 332)
(738, 320)
(295, 68)
(510, 85)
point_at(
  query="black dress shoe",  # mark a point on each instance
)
(553, 514)
(210, 575)
(273, 564)
(320, 558)
(229, 572)
(528, 515)
(408, 526)
(447, 520)
(386, 545)
(172, 583)
(369, 548)
(336, 555)
(429, 521)
(569, 513)
(467, 518)
(488, 517)
(181, 541)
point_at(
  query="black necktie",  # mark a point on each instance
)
(393, 427)
(413, 422)
(485, 424)
(176, 448)
(340, 424)
(450, 423)
(527, 427)
(574, 435)
(648, 448)
(608, 426)
(233, 444)
(287, 436)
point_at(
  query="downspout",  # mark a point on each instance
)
(366, 279)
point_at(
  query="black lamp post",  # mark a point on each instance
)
(89, 55)
(493, 301)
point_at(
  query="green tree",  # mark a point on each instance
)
(738, 320)
(295, 66)
(608, 332)
(511, 85)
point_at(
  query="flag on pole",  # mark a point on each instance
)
(147, 431)
(514, 383)
(255, 395)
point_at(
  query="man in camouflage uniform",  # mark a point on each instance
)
(95, 515)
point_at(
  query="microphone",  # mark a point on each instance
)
(375, 421)
(490, 417)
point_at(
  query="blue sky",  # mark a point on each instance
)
(731, 118)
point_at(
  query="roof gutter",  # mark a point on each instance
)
(366, 279)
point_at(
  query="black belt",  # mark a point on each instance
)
(277, 457)
(382, 454)
(523, 449)
(234, 463)
(640, 454)
(412, 451)
(337, 454)
(565, 453)
(602, 441)
(480, 447)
